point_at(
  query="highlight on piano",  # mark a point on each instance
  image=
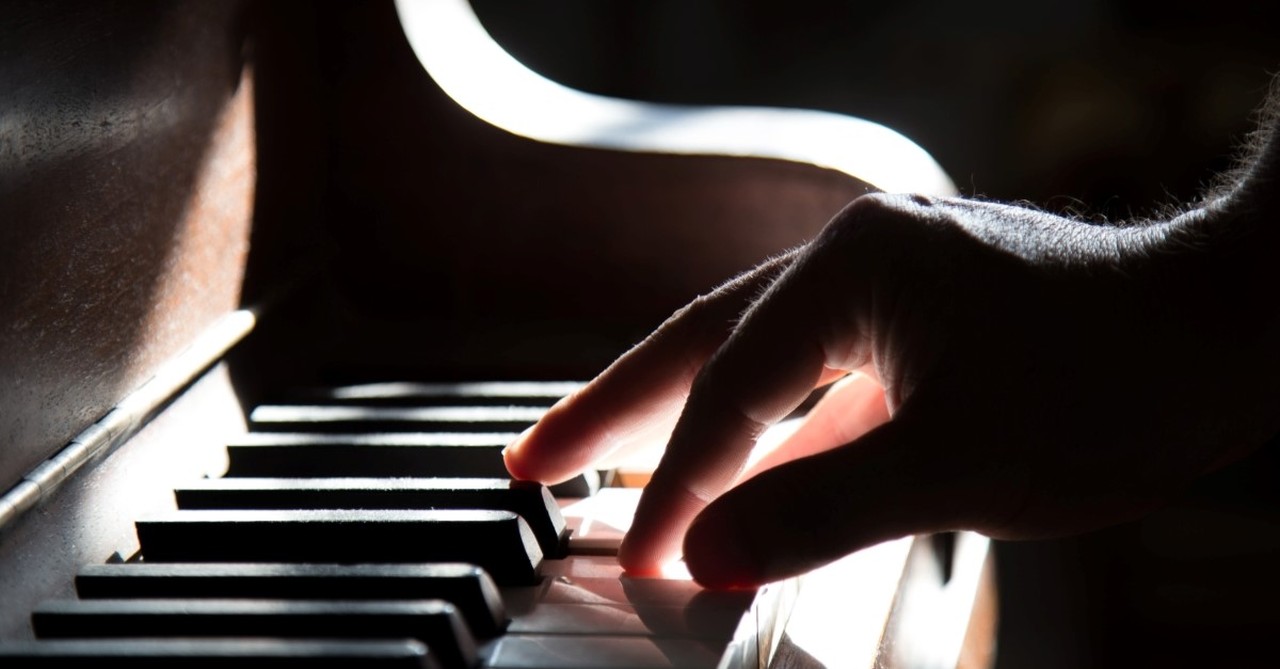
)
(263, 270)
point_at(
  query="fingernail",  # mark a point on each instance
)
(514, 446)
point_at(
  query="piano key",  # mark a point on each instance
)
(534, 651)
(472, 393)
(499, 541)
(586, 484)
(582, 593)
(599, 522)
(645, 591)
(532, 501)
(600, 566)
(578, 566)
(627, 590)
(409, 454)
(478, 455)
(216, 654)
(339, 418)
(591, 595)
(433, 622)
(466, 586)
(668, 622)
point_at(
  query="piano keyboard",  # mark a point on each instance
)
(375, 526)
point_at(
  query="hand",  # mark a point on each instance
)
(1044, 376)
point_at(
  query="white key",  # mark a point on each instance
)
(610, 652)
(599, 521)
(588, 598)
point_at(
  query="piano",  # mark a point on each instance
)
(281, 278)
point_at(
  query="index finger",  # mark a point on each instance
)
(638, 398)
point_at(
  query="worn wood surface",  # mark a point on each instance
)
(127, 172)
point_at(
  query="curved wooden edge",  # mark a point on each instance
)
(457, 52)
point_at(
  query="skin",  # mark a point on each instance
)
(1014, 372)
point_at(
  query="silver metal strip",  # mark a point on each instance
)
(128, 417)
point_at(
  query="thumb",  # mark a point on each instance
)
(904, 477)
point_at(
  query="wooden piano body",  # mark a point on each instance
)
(175, 176)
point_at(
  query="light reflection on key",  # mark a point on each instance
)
(600, 521)
(586, 598)
(589, 652)
(592, 592)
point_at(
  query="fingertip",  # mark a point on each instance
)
(639, 558)
(640, 570)
(719, 555)
(657, 528)
(532, 456)
(511, 457)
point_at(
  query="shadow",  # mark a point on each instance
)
(287, 278)
(1077, 98)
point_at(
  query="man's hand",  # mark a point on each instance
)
(1044, 376)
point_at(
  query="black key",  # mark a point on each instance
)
(432, 622)
(215, 654)
(295, 455)
(499, 541)
(469, 393)
(465, 586)
(532, 501)
(477, 455)
(585, 484)
(340, 418)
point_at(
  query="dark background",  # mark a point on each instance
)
(1108, 108)
(1107, 105)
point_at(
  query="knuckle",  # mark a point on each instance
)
(692, 323)
(705, 322)
(880, 227)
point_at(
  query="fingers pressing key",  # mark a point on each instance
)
(765, 369)
(638, 398)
